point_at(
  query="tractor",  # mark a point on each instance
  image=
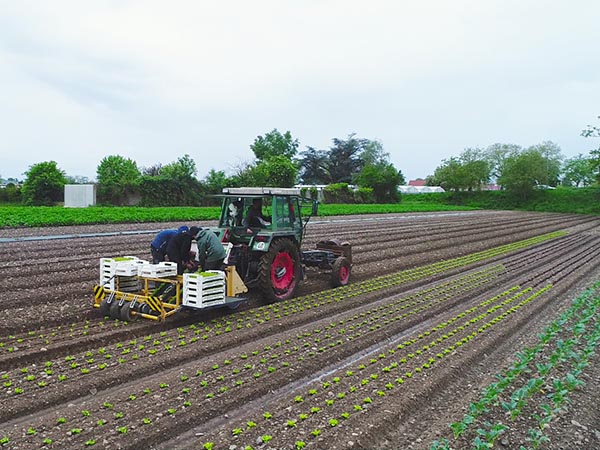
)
(267, 253)
(261, 230)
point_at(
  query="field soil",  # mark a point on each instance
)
(439, 304)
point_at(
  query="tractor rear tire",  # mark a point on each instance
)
(279, 271)
(340, 272)
(126, 312)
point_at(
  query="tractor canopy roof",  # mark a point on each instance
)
(261, 191)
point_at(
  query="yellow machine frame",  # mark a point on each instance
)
(233, 287)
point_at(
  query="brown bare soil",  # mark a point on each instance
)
(439, 304)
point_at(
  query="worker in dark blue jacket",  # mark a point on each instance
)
(158, 246)
(178, 249)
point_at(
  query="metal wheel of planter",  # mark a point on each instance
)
(104, 308)
(115, 310)
(126, 312)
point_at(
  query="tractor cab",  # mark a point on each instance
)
(257, 215)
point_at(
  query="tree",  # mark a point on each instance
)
(383, 178)
(476, 168)
(448, 175)
(373, 153)
(174, 184)
(578, 171)
(594, 132)
(552, 156)
(523, 171)
(345, 160)
(468, 171)
(496, 154)
(275, 144)
(215, 181)
(11, 193)
(152, 171)
(44, 184)
(277, 171)
(314, 166)
(116, 177)
(182, 169)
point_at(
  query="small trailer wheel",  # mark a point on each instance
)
(115, 310)
(340, 272)
(104, 308)
(126, 312)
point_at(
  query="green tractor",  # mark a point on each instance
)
(263, 228)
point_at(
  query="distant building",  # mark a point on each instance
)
(318, 187)
(80, 195)
(419, 189)
(418, 182)
(490, 187)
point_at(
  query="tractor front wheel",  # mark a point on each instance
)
(279, 271)
(340, 272)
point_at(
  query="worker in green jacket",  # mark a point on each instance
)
(211, 252)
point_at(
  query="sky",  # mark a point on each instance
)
(153, 80)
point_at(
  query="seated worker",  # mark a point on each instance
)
(210, 250)
(158, 246)
(178, 249)
(254, 216)
(235, 213)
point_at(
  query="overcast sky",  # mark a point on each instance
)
(154, 80)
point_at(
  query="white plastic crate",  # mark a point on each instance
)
(127, 266)
(203, 291)
(162, 269)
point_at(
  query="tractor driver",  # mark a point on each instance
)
(255, 217)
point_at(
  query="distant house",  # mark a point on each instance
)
(490, 187)
(318, 187)
(419, 189)
(418, 182)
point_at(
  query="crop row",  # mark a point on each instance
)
(40, 216)
(538, 384)
(360, 386)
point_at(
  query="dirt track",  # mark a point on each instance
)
(289, 369)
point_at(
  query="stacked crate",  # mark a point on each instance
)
(160, 270)
(201, 290)
(121, 273)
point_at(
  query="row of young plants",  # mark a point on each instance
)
(300, 304)
(43, 216)
(218, 377)
(536, 388)
(326, 405)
